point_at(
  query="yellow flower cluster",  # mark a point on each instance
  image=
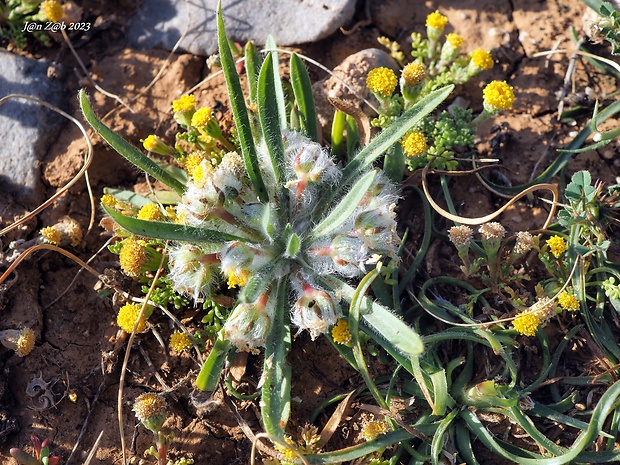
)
(526, 323)
(149, 212)
(184, 103)
(374, 429)
(414, 144)
(288, 453)
(436, 20)
(498, 95)
(108, 200)
(149, 405)
(413, 74)
(482, 59)
(238, 278)
(52, 10)
(382, 81)
(179, 341)
(455, 40)
(568, 301)
(25, 342)
(150, 142)
(557, 245)
(132, 257)
(127, 316)
(341, 333)
(202, 117)
(51, 235)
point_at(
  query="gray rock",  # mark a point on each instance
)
(160, 23)
(26, 128)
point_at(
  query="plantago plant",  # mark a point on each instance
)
(275, 217)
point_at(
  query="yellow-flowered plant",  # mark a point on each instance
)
(268, 217)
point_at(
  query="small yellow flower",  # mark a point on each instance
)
(52, 10)
(184, 103)
(341, 333)
(568, 301)
(238, 277)
(455, 40)
(557, 245)
(108, 200)
(382, 81)
(25, 342)
(436, 20)
(526, 323)
(498, 95)
(127, 316)
(413, 74)
(150, 142)
(202, 117)
(51, 235)
(179, 341)
(149, 405)
(149, 212)
(192, 161)
(132, 257)
(288, 453)
(482, 59)
(414, 144)
(374, 429)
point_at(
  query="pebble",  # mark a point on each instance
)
(160, 23)
(353, 70)
(26, 128)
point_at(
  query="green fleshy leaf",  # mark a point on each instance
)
(170, 231)
(124, 148)
(269, 117)
(270, 44)
(212, 368)
(252, 68)
(240, 112)
(302, 88)
(345, 208)
(276, 389)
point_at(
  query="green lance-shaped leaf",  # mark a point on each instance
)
(240, 112)
(269, 117)
(302, 88)
(270, 44)
(252, 68)
(439, 438)
(386, 139)
(124, 148)
(276, 389)
(171, 231)
(211, 369)
(345, 208)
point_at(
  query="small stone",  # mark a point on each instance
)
(353, 71)
(160, 23)
(26, 128)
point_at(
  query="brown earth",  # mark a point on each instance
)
(79, 349)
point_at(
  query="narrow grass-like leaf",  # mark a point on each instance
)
(270, 44)
(392, 134)
(124, 148)
(210, 372)
(345, 208)
(439, 437)
(463, 444)
(276, 389)
(354, 317)
(606, 404)
(269, 118)
(337, 133)
(240, 112)
(171, 231)
(302, 88)
(252, 68)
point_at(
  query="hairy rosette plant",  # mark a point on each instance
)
(280, 220)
